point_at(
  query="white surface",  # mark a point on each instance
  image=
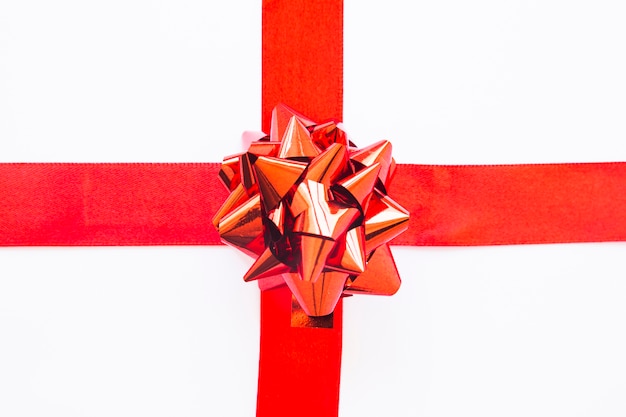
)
(516, 331)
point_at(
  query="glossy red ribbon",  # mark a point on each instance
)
(173, 204)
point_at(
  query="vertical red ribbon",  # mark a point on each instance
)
(299, 368)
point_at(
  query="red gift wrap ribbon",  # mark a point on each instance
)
(49, 204)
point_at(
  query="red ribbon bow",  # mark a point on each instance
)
(313, 209)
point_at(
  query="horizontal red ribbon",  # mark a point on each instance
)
(173, 204)
(109, 204)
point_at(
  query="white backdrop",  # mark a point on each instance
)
(173, 331)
